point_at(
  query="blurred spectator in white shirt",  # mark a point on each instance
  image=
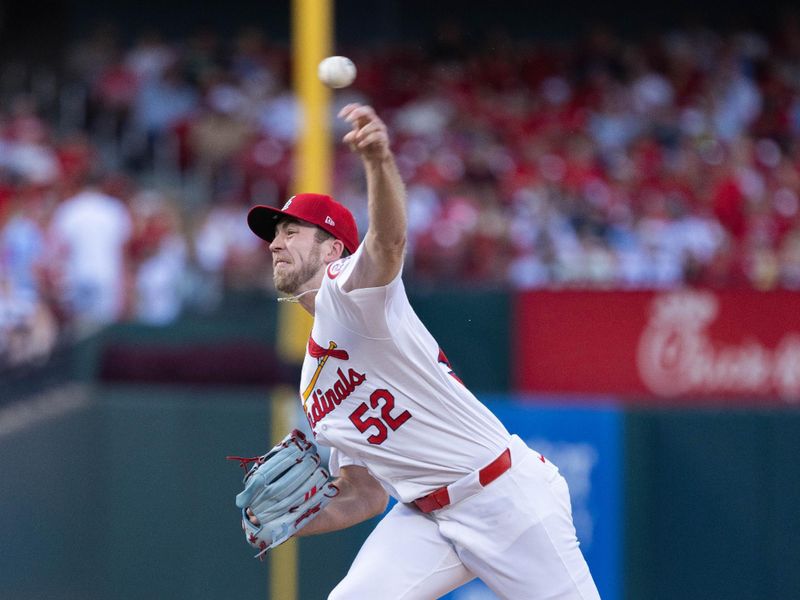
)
(90, 231)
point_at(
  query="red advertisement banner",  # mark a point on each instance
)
(678, 345)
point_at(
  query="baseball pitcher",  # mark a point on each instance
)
(473, 500)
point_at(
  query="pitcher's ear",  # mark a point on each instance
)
(336, 250)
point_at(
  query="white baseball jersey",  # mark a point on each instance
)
(376, 387)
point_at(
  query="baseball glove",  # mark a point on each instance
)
(285, 490)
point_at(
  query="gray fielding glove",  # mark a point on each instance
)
(285, 490)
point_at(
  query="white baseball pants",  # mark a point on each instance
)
(516, 534)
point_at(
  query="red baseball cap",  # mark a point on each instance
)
(317, 209)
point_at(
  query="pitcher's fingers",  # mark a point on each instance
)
(369, 128)
(377, 137)
(350, 137)
(347, 109)
(360, 114)
(253, 519)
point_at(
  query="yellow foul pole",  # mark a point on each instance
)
(312, 35)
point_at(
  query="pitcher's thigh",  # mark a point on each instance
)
(406, 558)
(544, 562)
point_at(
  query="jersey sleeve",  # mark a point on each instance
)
(366, 311)
(339, 459)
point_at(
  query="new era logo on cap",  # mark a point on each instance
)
(318, 209)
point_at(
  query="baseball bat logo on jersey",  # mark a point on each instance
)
(322, 355)
(323, 402)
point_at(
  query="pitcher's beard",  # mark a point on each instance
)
(291, 282)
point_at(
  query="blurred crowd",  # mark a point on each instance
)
(126, 172)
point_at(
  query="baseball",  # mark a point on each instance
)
(336, 71)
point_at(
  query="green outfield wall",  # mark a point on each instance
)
(712, 504)
(128, 495)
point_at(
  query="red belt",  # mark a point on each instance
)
(440, 498)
